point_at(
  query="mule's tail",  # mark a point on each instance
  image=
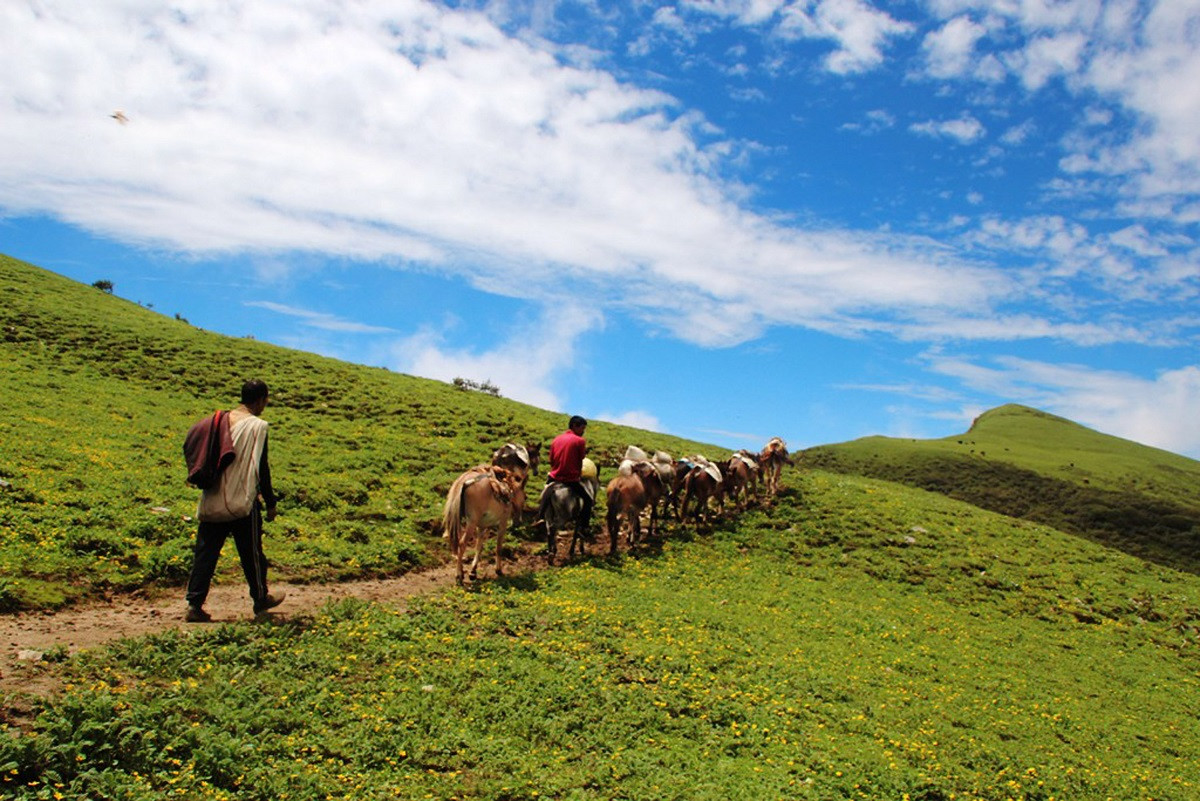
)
(452, 514)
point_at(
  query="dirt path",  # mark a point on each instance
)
(26, 638)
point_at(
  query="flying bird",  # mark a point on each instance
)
(120, 117)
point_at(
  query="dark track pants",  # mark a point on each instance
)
(585, 513)
(210, 538)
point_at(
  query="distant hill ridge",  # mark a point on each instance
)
(1030, 464)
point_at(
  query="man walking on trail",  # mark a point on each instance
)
(566, 466)
(231, 506)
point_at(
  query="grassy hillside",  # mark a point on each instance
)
(1029, 464)
(98, 393)
(859, 640)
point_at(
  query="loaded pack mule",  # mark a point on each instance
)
(636, 487)
(739, 474)
(483, 499)
(701, 485)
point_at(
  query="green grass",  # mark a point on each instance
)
(100, 391)
(861, 640)
(1029, 464)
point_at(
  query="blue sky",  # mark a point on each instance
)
(817, 219)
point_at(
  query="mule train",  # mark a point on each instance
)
(489, 497)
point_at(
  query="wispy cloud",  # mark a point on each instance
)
(909, 390)
(875, 121)
(322, 320)
(743, 438)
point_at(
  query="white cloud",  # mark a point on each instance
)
(668, 17)
(524, 364)
(1158, 411)
(1019, 327)
(1130, 264)
(990, 69)
(436, 139)
(1054, 234)
(1048, 56)
(1154, 75)
(859, 29)
(965, 129)
(1017, 134)
(950, 50)
(440, 141)
(1028, 15)
(1094, 115)
(877, 120)
(745, 12)
(1138, 240)
(635, 418)
(881, 118)
(1143, 58)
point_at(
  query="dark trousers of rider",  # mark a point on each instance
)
(210, 538)
(585, 514)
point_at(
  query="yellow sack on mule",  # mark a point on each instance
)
(589, 470)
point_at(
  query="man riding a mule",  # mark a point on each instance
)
(566, 467)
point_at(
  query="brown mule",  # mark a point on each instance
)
(626, 499)
(484, 498)
(701, 486)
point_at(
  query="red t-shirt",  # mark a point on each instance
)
(566, 456)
